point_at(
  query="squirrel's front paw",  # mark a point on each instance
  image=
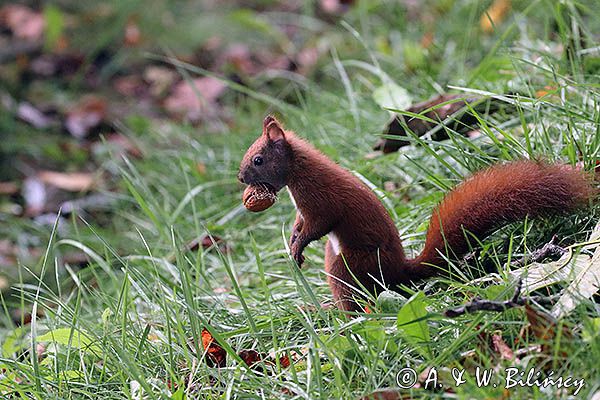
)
(296, 229)
(297, 255)
(294, 237)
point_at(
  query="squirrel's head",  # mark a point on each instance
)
(268, 159)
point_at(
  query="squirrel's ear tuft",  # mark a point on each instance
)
(272, 129)
(268, 119)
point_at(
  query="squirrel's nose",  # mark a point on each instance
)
(240, 177)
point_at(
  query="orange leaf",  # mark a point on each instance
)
(494, 15)
(215, 354)
(284, 361)
(544, 327)
(133, 35)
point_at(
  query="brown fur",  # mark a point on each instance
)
(330, 199)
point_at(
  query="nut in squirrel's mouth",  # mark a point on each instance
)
(266, 186)
(259, 196)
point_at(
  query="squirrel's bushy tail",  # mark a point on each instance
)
(496, 196)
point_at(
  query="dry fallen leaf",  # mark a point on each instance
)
(584, 284)
(546, 91)
(33, 116)
(201, 168)
(386, 394)
(434, 110)
(24, 22)
(87, 114)
(207, 242)
(215, 354)
(195, 99)
(306, 59)
(284, 361)
(40, 350)
(494, 15)
(501, 347)
(543, 325)
(70, 181)
(130, 85)
(34, 193)
(8, 188)
(133, 35)
(124, 144)
(251, 357)
(427, 39)
(159, 78)
(545, 328)
(238, 55)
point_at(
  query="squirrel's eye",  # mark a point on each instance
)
(258, 160)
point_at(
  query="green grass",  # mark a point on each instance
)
(134, 316)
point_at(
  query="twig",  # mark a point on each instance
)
(499, 306)
(550, 249)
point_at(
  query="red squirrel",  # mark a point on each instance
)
(364, 245)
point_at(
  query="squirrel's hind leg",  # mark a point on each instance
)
(340, 280)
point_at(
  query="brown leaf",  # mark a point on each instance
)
(133, 34)
(87, 114)
(201, 168)
(194, 99)
(464, 123)
(124, 144)
(250, 357)
(284, 361)
(239, 57)
(9, 188)
(215, 354)
(544, 327)
(270, 60)
(427, 39)
(207, 242)
(159, 78)
(386, 394)
(71, 181)
(22, 317)
(306, 59)
(40, 350)
(501, 347)
(130, 85)
(24, 22)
